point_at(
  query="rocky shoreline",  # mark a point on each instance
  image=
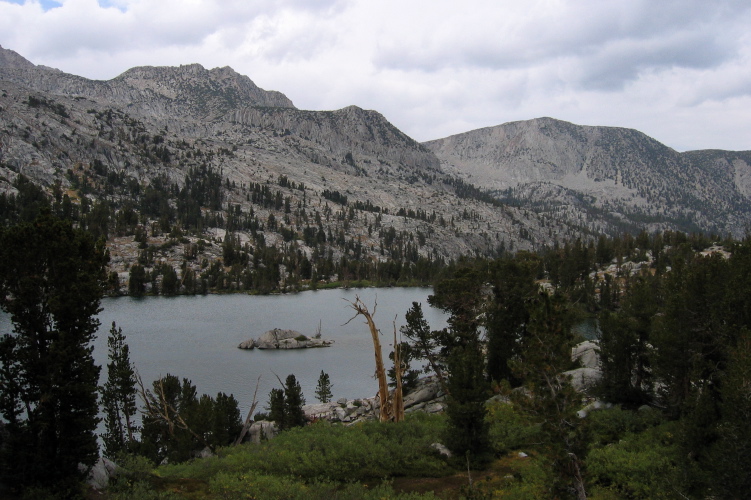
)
(429, 397)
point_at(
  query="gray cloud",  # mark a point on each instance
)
(679, 70)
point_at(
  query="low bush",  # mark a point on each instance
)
(509, 430)
(609, 425)
(642, 465)
(328, 452)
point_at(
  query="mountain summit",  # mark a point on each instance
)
(210, 153)
(610, 173)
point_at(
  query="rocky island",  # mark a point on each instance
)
(284, 339)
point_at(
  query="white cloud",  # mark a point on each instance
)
(675, 69)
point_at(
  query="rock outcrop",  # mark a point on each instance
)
(585, 378)
(262, 431)
(427, 397)
(100, 474)
(587, 353)
(284, 339)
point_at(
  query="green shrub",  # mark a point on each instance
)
(609, 425)
(266, 487)
(141, 490)
(329, 452)
(532, 478)
(638, 466)
(509, 429)
(132, 469)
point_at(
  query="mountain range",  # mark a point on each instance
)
(349, 172)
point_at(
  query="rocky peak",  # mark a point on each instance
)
(12, 60)
(361, 138)
(159, 93)
(221, 87)
(611, 170)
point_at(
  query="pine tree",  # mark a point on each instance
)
(51, 279)
(730, 456)
(507, 313)
(177, 423)
(323, 389)
(293, 403)
(119, 396)
(549, 399)
(276, 407)
(424, 342)
(285, 405)
(467, 429)
(461, 296)
(136, 281)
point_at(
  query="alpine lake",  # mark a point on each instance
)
(196, 337)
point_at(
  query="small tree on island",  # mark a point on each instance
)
(323, 389)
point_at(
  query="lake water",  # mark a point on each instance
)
(197, 338)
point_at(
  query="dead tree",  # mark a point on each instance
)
(398, 401)
(388, 411)
(248, 421)
(158, 408)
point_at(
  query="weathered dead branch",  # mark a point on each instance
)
(159, 409)
(398, 402)
(248, 419)
(387, 412)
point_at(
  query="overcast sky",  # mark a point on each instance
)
(678, 70)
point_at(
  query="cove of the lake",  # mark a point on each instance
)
(196, 337)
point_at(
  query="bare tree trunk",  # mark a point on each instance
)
(581, 493)
(248, 423)
(386, 412)
(398, 405)
(158, 408)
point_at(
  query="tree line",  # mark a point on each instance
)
(674, 337)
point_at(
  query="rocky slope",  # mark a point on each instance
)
(372, 194)
(611, 176)
(158, 123)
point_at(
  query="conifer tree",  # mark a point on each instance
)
(293, 403)
(468, 430)
(136, 281)
(424, 342)
(276, 407)
(119, 396)
(177, 423)
(513, 285)
(51, 279)
(323, 389)
(285, 405)
(461, 296)
(549, 399)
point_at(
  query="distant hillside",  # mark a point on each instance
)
(606, 176)
(185, 167)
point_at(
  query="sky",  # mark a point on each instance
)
(677, 70)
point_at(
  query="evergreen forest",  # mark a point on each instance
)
(667, 416)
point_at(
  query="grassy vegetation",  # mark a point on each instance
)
(630, 455)
(322, 460)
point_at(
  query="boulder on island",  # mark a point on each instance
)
(284, 339)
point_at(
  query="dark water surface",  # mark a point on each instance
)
(197, 338)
